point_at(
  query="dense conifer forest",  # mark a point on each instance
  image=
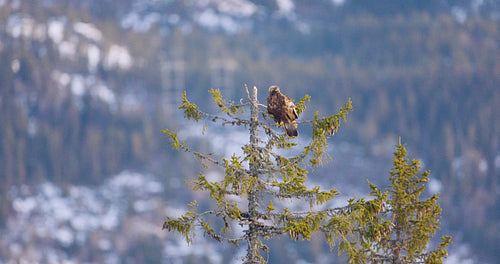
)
(426, 71)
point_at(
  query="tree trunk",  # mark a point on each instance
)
(253, 254)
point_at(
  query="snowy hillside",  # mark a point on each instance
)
(86, 86)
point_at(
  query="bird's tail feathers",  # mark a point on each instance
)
(291, 129)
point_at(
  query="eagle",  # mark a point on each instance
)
(282, 109)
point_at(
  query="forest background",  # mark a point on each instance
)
(87, 86)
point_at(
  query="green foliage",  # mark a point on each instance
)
(268, 173)
(270, 207)
(301, 105)
(184, 224)
(415, 221)
(406, 68)
(173, 137)
(230, 109)
(296, 227)
(322, 127)
(394, 225)
(191, 111)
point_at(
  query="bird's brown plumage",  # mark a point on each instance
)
(282, 109)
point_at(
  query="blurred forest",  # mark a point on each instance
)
(418, 70)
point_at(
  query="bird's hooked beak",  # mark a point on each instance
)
(274, 88)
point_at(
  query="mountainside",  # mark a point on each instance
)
(86, 87)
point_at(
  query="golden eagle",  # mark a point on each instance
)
(282, 109)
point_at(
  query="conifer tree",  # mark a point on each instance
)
(405, 224)
(264, 175)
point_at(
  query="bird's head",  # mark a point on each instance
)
(274, 88)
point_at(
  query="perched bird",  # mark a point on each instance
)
(282, 109)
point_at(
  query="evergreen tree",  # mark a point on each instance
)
(264, 175)
(404, 225)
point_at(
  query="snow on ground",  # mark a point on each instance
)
(15, 65)
(101, 91)
(285, 6)
(88, 30)
(20, 25)
(208, 18)
(55, 29)
(82, 42)
(79, 85)
(434, 185)
(24, 26)
(460, 14)
(67, 49)
(52, 224)
(226, 15)
(49, 218)
(118, 57)
(140, 24)
(93, 57)
(237, 8)
(179, 249)
(459, 254)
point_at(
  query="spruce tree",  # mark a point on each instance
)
(267, 173)
(402, 228)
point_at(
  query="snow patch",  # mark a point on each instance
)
(174, 211)
(181, 248)
(20, 25)
(483, 166)
(59, 209)
(67, 49)
(105, 244)
(127, 179)
(88, 30)
(56, 30)
(93, 57)
(460, 255)
(62, 78)
(32, 126)
(105, 94)
(49, 190)
(435, 185)
(83, 222)
(459, 14)
(64, 236)
(223, 143)
(211, 20)
(24, 206)
(237, 8)
(78, 85)
(141, 24)
(15, 65)
(46, 213)
(110, 220)
(118, 57)
(285, 6)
